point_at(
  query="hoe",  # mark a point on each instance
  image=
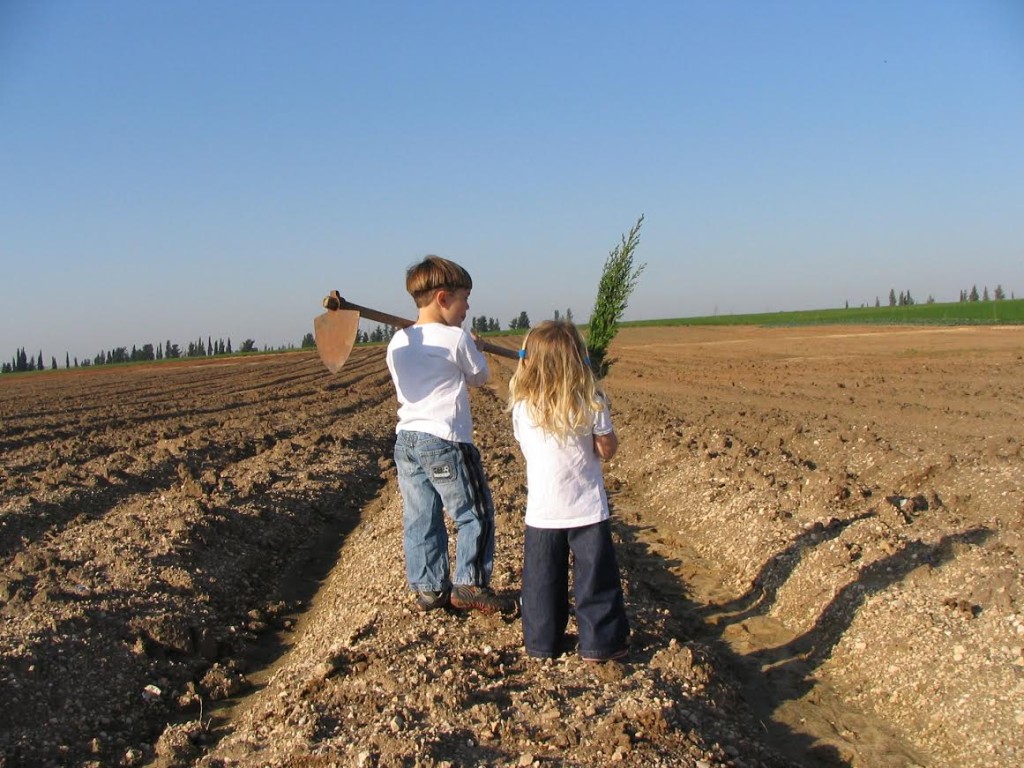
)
(335, 331)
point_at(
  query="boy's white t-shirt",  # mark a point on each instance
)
(565, 485)
(432, 366)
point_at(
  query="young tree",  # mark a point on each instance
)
(618, 279)
(984, 296)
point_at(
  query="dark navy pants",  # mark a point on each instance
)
(600, 609)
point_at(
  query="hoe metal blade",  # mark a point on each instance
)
(335, 335)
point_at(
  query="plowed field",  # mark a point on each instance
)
(820, 531)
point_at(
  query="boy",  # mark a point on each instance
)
(433, 363)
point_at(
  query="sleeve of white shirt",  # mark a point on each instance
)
(603, 419)
(515, 418)
(472, 361)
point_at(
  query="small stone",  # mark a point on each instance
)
(151, 693)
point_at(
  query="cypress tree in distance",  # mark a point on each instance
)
(617, 282)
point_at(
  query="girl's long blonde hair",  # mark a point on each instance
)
(555, 381)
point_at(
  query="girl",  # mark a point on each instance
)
(563, 425)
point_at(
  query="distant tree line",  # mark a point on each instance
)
(999, 294)
(484, 324)
(22, 361)
(162, 351)
(904, 299)
(168, 350)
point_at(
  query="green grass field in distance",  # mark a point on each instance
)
(1004, 312)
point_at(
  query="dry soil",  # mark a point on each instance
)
(820, 532)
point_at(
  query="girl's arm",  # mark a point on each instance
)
(605, 446)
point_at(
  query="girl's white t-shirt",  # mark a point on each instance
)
(432, 366)
(565, 485)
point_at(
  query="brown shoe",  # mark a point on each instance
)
(431, 601)
(619, 655)
(470, 598)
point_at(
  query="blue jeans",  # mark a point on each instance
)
(437, 476)
(600, 608)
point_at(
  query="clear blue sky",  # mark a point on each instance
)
(180, 170)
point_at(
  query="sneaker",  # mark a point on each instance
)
(429, 601)
(483, 599)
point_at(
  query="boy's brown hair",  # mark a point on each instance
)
(433, 274)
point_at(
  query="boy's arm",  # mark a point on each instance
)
(472, 361)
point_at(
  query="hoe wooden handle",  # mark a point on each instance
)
(494, 349)
(335, 301)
